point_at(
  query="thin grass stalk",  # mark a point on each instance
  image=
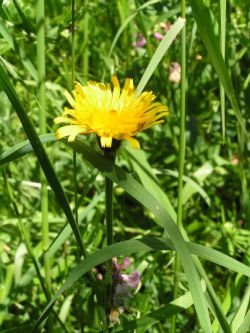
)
(28, 245)
(80, 316)
(72, 85)
(109, 210)
(85, 60)
(109, 234)
(91, 275)
(223, 6)
(40, 22)
(181, 152)
(213, 299)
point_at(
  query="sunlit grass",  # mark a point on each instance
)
(156, 203)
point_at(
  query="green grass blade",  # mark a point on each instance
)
(244, 327)
(241, 313)
(148, 179)
(26, 22)
(133, 246)
(65, 232)
(219, 258)
(103, 255)
(137, 191)
(212, 44)
(41, 154)
(13, 44)
(200, 250)
(126, 22)
(178, 305)
(213, 301)
(193, 187)
(23, 148)
(223, 10)
(159, 53)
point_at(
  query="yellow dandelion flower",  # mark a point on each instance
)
(110, 113)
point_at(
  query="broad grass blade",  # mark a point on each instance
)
(212, 44)
(42, 157)
(133, 246)
(159, 53)
(241, 313)
(126, 22)
(176, 306)
(136, 190)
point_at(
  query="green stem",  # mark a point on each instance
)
(85, 60)
(109, 210)
(40, 22)
(72, 85)
(28, 244)
(109, 234)
(223, 5)
(91, 275)
(181, 152)
(79, 313)
(41, 76)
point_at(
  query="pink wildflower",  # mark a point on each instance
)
(140, 41)
(158, 36)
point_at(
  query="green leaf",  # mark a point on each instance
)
(137, 191)
(211, 42)
(204, 252)
(23, 148)
(148, 179)
(134, 246)
(244, 327)
(14, 46)
(159, 53)
(42, 157)
(174, 307)
(126, 22)
(241, 313)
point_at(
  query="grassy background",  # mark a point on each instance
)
(216, 210)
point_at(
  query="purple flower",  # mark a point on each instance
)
(131, 281)
(140, 41)
(158, 36)
(123, 283)
(164, 27)
(124, 265)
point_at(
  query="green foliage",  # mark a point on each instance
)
(213, 244)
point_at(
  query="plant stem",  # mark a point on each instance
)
(72, 85)
(109, 233)
(41, 75)
(85, 60)
(223, 6)
(91, 275)
(28, 245)
(40, 22)
(181, 151)
(80, 313)
(109, 210)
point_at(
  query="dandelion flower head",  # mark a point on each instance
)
(109, 113)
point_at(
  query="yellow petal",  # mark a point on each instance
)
(106, 142)
(65, 120)
(116, 93)
(70, 98)
(71, 130)
(129, 85)
(111, 113)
